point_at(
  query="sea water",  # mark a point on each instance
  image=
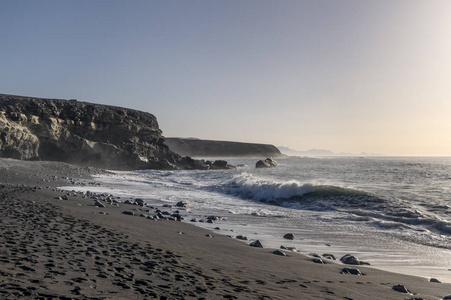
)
(394, 212)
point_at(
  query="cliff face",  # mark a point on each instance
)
(83, 133)
(207, 148)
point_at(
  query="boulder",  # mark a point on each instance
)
(351, 271)
(401, 289)
(181, 204)
(289, 236)
(99, 204)
(256, 243)
(329, 256)
(267, 163)
(278, 252)
(352, 260)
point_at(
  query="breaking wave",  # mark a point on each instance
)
(358, 206)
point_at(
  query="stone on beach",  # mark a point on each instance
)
(256, 243)
(181, 204)
(401, 289)
(99, 204)
(351, 271)
(289, 236)
(130, 213)
(278, 252)
(352, 260)
(329, 256)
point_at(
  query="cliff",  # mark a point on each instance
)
(85, 134)
(208, 148)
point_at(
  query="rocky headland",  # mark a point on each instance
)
(209, 148)
(85, 134)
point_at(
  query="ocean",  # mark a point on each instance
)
(393, 212)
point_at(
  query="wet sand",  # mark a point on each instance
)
(70, 249)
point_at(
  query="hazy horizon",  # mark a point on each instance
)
(347, 76)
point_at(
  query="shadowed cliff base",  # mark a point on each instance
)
(209, 148)
(85, 134)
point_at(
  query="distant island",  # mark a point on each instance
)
(319, 152)
(208, 148)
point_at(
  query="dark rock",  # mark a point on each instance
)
(314, 255)
(318, 261)
(86, 134)
(130, 213)
(289, 248)
(352, 260)
(99, 204)
(289, 236)
(256, 243)
(278, 252)
(181, 204)
(351, 271)
(447, 297)
(435, 280)
(401, 289)
(329, 256)
(241, 237)
(267, 163)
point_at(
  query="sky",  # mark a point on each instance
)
(343, 75)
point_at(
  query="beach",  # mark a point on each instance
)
(52, 248)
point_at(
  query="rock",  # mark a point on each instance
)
(84, 133)
(181, 204)
(241, 237)
(351, 271)
(289, 236)
(314, 255)
(435, 280)
(318, 261)
(139, 202)
(130, 213)
(267, 163)
(278, 252)
(447, 297)
(289, 248)
(256, 243)
(329, 256)
(352, 260)
(65, 197)
(401, 289)
(99, 204)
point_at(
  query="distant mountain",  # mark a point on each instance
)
(319, 152)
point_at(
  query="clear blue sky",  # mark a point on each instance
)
(348, 76)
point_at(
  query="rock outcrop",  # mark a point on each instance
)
(85, 134)
(208, 148)
(267, 163)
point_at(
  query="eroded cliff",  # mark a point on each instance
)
(84, 133)
(208, 148)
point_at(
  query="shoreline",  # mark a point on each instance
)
(100, 253)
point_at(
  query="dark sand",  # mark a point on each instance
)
(70, 249)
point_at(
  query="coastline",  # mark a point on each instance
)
(82, 251)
